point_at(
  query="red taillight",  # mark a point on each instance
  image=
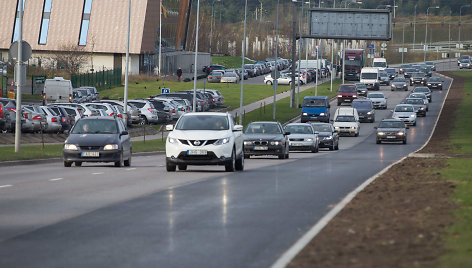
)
(202, 102)
(210, 76)
(151, 110)
(54, 119)
(173, 111)
(64, 119)
(12, 110)
(26, 115)
(120, 116)
(1, 111)
(38, 117)
(112, 114)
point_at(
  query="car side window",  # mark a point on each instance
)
(232, 122)
(121, 127)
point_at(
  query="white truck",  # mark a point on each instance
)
(57, 89)
(346, 121)
(371, 78)
(380, 63)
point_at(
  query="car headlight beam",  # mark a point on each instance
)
(222, 141)
(71, 147)
(171, 140)
(109, 147)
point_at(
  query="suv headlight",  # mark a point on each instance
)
(222, 141)
(370, 112)
(322, 114)
(275, 143)
(248, 143)
(380, 133)
(412, 115)
(309, 139)
(171, 140)
(305, 114)
(109, 147)
(71, 147)
(401, 133)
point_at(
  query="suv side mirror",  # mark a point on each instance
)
(169, 127)
(238, 128)
(286, 133)
(329, 105)
(124, 132)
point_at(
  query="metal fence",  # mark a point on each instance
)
(100, 80)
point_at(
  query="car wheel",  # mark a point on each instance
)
(339, 103)
(67, 163)
(169, 166)
(378, 141)
(404, 141)
(119, 163)
(356, 134)
(182, 167)
(240, 163)
(127, 162)
(414, 124)
(269, 83)
(78, 164)
(337, 146)
(144, 120)
(247, 156)
(229, 167)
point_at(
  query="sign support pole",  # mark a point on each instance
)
(19, 76)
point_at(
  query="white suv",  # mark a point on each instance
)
(205, 139)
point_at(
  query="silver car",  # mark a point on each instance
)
(148, 112)
(54, 120)
(405, 112)
(302, 137)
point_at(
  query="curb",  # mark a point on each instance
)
(301, 243)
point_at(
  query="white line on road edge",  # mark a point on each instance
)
(288, 255)
(97, 173)
(56, 179)
(129, 169)
(5, 186)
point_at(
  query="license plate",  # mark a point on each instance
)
(297, 144)
(391, 137)
(261, 148)
(90, 154)
(347, 100)
(196, 152)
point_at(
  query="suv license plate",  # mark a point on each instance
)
(90, 154)
(196, 152)
(391, 137)
(261, 148)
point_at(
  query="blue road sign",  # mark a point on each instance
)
(370, 46)
(165, 90)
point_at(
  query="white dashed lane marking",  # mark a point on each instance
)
(97, 173)
(129, 169)
(56, 179)
(6, 186)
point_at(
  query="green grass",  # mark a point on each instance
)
(459, 171)
(229, 61)
(231, 92)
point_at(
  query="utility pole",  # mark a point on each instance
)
(294, 45)
(276, 78)
(19, 81)
(242, 68)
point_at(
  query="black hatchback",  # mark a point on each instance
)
(98, 139)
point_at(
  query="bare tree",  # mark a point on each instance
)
(71, 58)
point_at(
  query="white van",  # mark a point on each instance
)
(380, 63)
(57, 89)
(370, 77)
(346, 121)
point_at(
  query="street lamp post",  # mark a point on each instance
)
(426, 32)
(211, 22)
(460, 22)
(242, 68)
(414, 30)
(403, 41)
(195, 66)
(300, 29)
(276, 72)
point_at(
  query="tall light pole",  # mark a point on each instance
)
(460, 23)
(160, 38)
(403, 41)
(195, 66)
(426, 32)
(125, 108)
(211, 22)
(294, 44)
(300, 28)
(242, 68)
(414, 30)
(276, 78)
(19, 75)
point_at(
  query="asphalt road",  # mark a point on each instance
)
(100, 216)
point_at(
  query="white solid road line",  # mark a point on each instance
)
(5, 186)
(129, 169)
(301, 243)
(97, 173)
(56, 179)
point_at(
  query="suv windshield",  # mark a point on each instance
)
(347, 88)
(345, 118)
(403, 108)
(314, 103)
(95, 126)
(369, 75)
(203, 122)
(380, 64)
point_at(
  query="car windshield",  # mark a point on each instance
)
(465, 61)
(347, 88)
(299, 129)
(375, 96)
(391, 124)
(403, 108)
(95, 126)
(380, 64)
(399, 79)
(322, 128)
(414, 101)
(369, 75)
(360, 86)
(417, 75)
(434, 79)
(216, 73)
(390, 70)
(314, 103)
(421, 89)
(203, 122)
(383, 74)
(345, 118)
(418, 95)
(362, 104)
(267, 128)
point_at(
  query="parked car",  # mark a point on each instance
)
(266, 138)
(9, 106)
(93, 91)
(399, 83)
(67, 120)
(98, 139)
(40, 121)
(5, 122)
(215, 77)
(213, 67)
(405, 112)
(418, 104)
(327, 135)
(106, 107)
(391, 130)
(230, 77)
(205, 139)
(53, 119)
(379, 101)
(74, 111)
(302, 137)
(147, 110)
